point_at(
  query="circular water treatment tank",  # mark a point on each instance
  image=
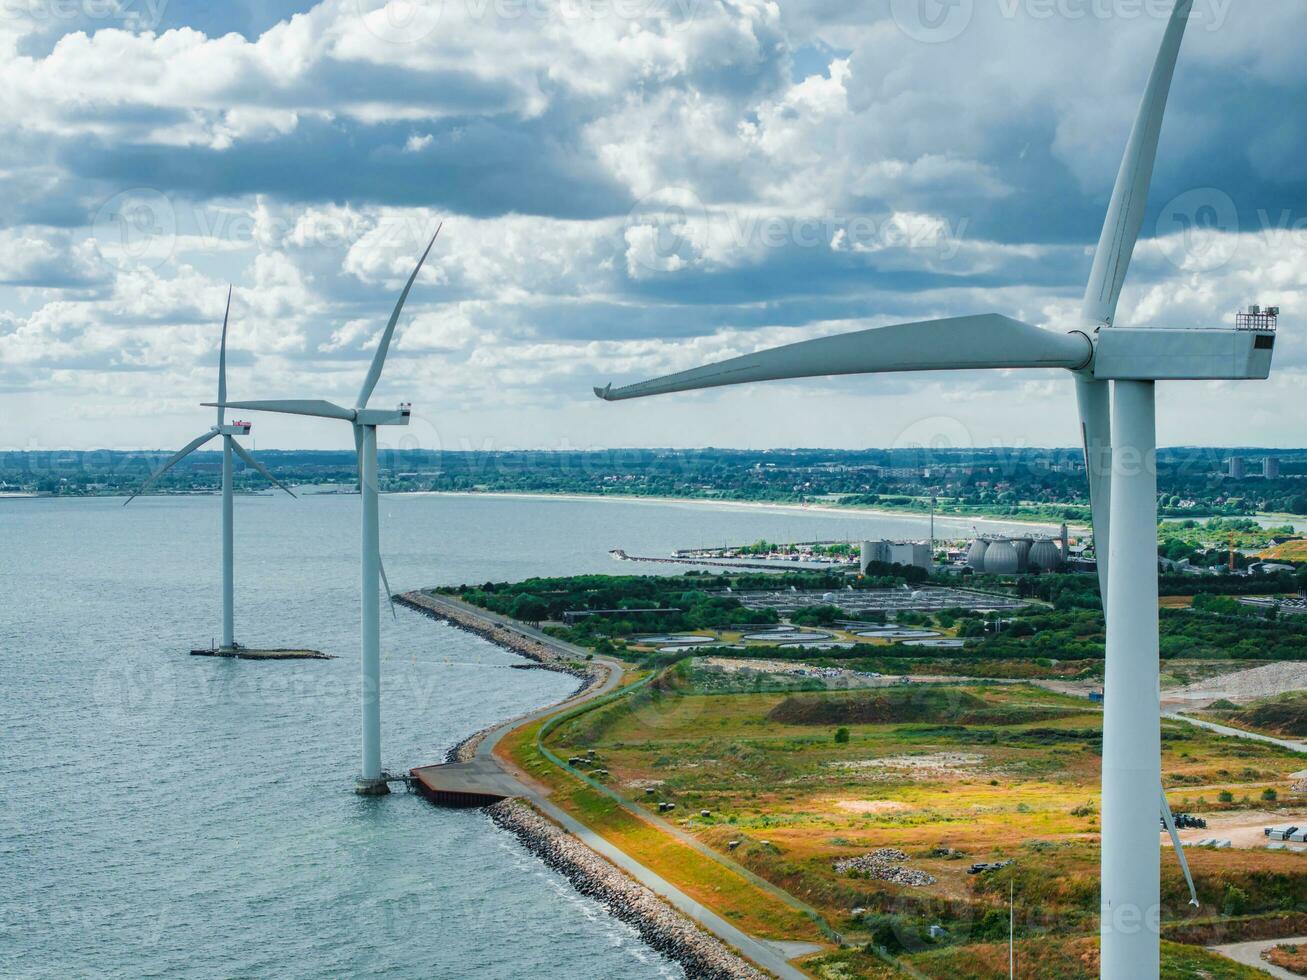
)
(1001, 558)
(1045, 555)
(976, 556)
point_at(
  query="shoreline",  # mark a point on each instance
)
(504, 638)
(664, 928)
(756, 505)
(661, 927)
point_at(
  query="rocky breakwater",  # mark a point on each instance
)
(660, 926)
(544, 656)
(469, 620)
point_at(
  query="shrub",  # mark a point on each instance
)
(1269, 795)
(841, 735)
(1236, 900)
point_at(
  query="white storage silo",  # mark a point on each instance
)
(976, 555)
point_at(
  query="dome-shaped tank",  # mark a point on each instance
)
(1023, 546)
(1001, 558)
(976, 556)
(1045, 555)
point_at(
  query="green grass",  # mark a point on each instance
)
(1073, 960)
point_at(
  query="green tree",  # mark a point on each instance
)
(529, 608)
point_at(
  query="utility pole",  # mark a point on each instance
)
(1011, 930)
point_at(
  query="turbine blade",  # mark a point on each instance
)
(383, 345)
(1125, 213)
(246, 455)
(173, 460)
(222, 363)
(296, 406)
(958, 343)
(381, 567)
(1169, 820)
(1093, 398)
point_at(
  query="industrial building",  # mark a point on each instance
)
(995, 555)
(916, 553)
(857, 602)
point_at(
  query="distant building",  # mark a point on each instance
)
(1271, 468)
(1013, 556)
(1237, 469)
(895, 553)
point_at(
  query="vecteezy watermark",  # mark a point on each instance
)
(400, 21)
(137, 226)
(130, 690)
(143, 225)
(1199, 229)
(939, 21)
(145, 15)
(410, 21)
(932, 21)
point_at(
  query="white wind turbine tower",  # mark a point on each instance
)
(229, 446)
(364, 420)
(1119, 434)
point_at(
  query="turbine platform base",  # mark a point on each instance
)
(372, 787)
(239, 652)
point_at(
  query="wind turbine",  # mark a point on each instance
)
(364, 420)
(1122, 482)
(229, 446)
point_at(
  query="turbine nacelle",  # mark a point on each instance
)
(1123, 354)
(234, 428)
(384, 416)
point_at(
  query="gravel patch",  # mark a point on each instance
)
(885, 864)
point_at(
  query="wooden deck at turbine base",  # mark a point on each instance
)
(464, 784)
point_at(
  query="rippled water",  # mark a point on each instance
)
(162, 814)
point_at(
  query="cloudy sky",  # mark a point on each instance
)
(628, 187)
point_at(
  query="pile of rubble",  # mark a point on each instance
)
(885, 864)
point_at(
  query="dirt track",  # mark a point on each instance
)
(1240, 685)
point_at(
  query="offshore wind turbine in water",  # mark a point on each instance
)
(364, 420)
(229, 432)
(1119, 433)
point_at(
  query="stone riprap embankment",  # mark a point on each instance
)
(660, 926)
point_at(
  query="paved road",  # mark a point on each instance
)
(1250, 954)
(772, 957)
(1284, 743)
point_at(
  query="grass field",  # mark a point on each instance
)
(1289, 551)
(703, 879)
(1283, 714)
(951, 775)
(1072, 960)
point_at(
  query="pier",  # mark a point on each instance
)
(479, 782)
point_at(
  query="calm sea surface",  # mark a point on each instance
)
(162, 814)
